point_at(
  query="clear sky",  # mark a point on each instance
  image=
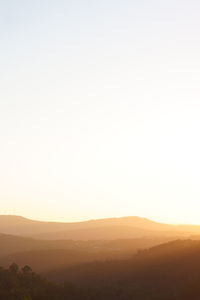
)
(100, 109)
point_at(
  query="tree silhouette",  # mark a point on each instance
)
(26, 270)
(14, 268)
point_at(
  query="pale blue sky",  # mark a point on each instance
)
(100, 109)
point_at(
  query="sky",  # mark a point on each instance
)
(100, 109)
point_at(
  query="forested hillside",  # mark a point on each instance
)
(170, 271)
(24, 284)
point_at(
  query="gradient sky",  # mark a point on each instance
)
(100, 109)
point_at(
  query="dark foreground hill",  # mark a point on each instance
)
(167, 272)
(24, 284)
(170, 271)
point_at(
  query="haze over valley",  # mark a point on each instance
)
(99, 153)
(131, 251)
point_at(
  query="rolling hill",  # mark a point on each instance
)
(169, 271)
(43, 255)
(118, 258)
(113, 228)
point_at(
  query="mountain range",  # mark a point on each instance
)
(113, 228)
(117, 258)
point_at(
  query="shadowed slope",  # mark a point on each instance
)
(169, 271)
(45, 255)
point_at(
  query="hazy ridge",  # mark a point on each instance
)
(116, 258)
(125, 227)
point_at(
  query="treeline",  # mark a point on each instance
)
(170, 271)
(24, 284)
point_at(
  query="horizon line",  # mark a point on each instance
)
(99, 219)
